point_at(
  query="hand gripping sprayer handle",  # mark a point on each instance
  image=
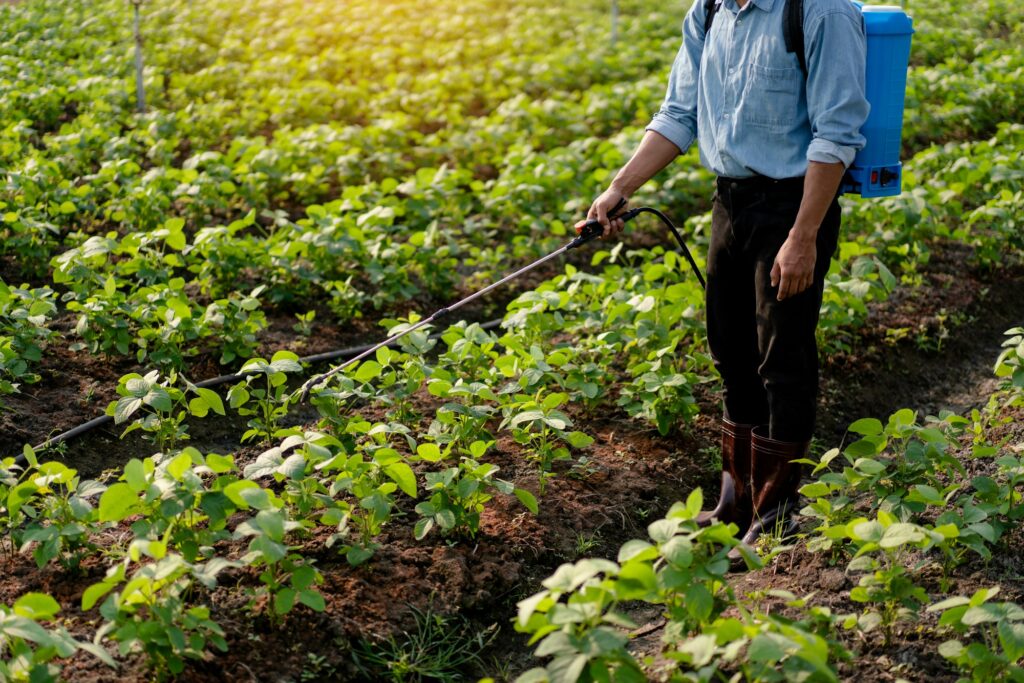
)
(593, 229)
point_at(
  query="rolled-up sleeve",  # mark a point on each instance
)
(836, 47)
(677, 118)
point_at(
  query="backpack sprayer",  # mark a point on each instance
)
(591, 230)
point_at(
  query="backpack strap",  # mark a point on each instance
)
(710, 8)
(793, 31)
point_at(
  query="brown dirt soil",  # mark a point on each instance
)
(632, 476)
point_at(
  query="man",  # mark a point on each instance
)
(779, 139)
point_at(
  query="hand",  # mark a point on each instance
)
(793, 271)
(599, 211)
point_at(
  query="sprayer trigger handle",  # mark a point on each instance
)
(593, 228)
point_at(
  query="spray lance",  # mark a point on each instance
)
(591, 230)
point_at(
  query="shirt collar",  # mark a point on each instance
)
(766, 5)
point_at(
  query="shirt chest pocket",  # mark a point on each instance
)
(771, 97)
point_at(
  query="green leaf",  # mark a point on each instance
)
(313, 600)
(637, 550)
(578, 439)
(951, 649)
(678, 551)
(901, 534)
(205, 401)
(1011, 638)
(159, 399)
(423, 527)
(177, 467)
(245, 494)
(662, 530)
(94, 592)
(699, 602)
(526, 416)
(816, 490)
(445, 518)
(367, 371)
(220, 463)
(117, 502)
(135, 475)
(284, 600)
(430, 452)
(867, 426)
(528, 500)
(30, 456)
(36, 606)
(357, 555)
(766, 649)
(125, 408)
(402, 475)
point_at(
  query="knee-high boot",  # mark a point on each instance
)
(774, 484)
(734, 503)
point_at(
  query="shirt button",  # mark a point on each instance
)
(732, 69)
(725, 116)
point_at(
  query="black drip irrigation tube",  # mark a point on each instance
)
(102, 420)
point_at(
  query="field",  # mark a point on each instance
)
(508, 495)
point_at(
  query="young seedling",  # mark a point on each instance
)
(263, 393)
(160, 407)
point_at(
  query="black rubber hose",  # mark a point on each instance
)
(21, 460)
(633, 213)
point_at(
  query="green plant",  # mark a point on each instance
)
(163, 405)
(1010, 365)
(149, 614)
(576, 620)
(370, 478)
(317, 668)
(287, 576)
(585, 543)
(458, 494)
(63, 518)
(901, 467)
(540, 426)
(304, 326)
(263, 393)
(887, 586)
(762, 647)
(996, 656)
(439, 648)
(24, 316)
(27, 648)
(461, 421)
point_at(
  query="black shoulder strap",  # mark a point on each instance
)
(793, 31)
(710, 7)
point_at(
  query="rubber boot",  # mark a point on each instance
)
(734, 504)
(774, 481)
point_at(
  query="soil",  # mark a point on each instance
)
(631, 476)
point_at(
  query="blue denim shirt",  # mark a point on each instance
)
(746, 99)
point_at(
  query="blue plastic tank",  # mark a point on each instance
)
(877, 171)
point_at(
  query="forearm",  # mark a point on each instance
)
(820, 186)
(654, 153)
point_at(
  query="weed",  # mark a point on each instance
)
(439, 648)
